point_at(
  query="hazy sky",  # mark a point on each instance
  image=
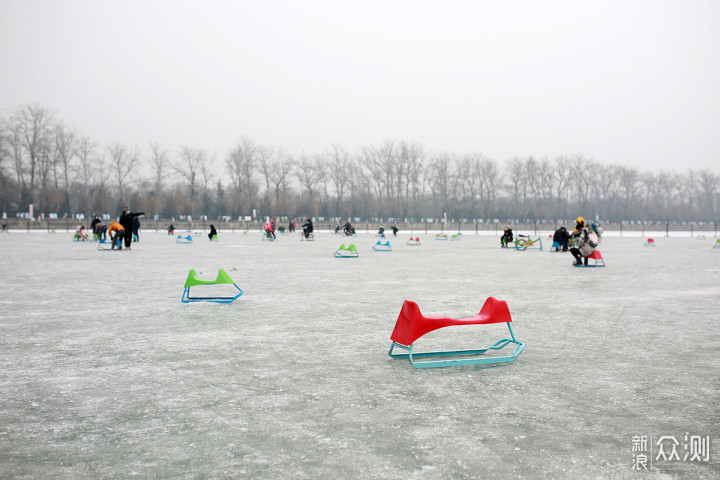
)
(632, 82)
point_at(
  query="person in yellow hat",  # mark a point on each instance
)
(582, 244)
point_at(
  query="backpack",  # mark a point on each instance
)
(593, 239)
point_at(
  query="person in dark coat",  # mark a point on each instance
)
(307, 227)
(213, 232)
(507, 236)
(126, 220)
(136, 229)
(562, 237)
(93, 225)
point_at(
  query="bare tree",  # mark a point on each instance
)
(278, 175)
(32, 130)
(84, 151)
(190, 165)
(309, 178)
(159, 160)
(122, 161)
(265, 157)
(441, 180)
(708, 184)
(339, 166)
(240, 164)
(65, 152)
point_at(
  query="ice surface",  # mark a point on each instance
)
(104, 373)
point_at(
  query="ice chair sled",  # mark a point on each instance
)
(555, 247)
(181, 239)
(104, 244)
(414, 241)
(456, 237)
(347, 252)
(597, 256)
(650, 242)
(717, 243)
(412, 324)
(441, 236)
(382, 246)
(194, 281)
(214, 238)
(525, 242)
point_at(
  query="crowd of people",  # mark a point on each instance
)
(581, 242)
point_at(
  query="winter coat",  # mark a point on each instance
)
(583, 244)
(126, 220)
(115, 227)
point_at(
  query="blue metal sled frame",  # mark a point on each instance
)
(186, 298)
(520, 346)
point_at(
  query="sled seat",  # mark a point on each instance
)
(597, 256)
(194, 281)
(382, 246)
(347, 252)
(411, 324)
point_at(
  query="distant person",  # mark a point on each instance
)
(4, 227)
(381, 230)
(80, 233)
(136, 229)
(291, 227)
(348, 229)
(126, 220)
(507, 236)
(579, 225)
(93, 224)
(213, 233)
(171, 229)
(584, 243)
(562, 238)
(307, 227)
(100, 231)
(117, 233)
(269, 229)
(394, 230)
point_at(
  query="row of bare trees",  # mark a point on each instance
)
(48, 164)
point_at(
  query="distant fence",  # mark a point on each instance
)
(69, 225)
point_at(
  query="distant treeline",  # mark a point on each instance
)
(46, 163)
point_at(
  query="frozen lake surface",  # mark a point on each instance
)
(104, 373)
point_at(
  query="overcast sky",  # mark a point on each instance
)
(631, 82)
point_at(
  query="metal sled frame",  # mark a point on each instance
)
(412, 324)
(520, 346)
(521, 243)
(193, 281)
